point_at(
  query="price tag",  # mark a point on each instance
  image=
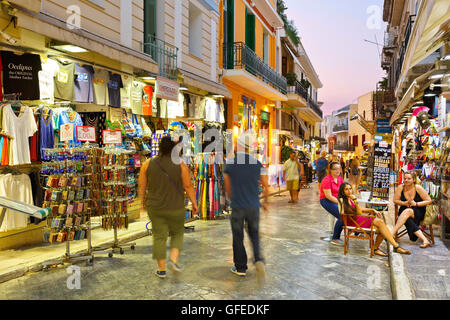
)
(112, 137)
(66, 132)
(86, 134)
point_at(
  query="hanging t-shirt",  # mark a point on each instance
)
(34, 144)
(114, 85)
(66, 117)
(210, 110)
(147, 98)
(125, 92)
(1, 77)
(136, 97)
(19, 129)
(46, 132)
(84, 91)
(64, 81)
(47, 80)
(21, 75)
(101, 78)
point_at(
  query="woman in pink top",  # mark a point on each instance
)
(329, 189)
(348, 205)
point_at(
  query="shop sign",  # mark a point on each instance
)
(88, 134)
(383, 126)
(112, 137)
(66, 132)
(378, 137)
(167, 89)
(265, 116)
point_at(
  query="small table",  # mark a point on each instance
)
(378, 203)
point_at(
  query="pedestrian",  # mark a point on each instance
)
(413, 200)
(348, 205)
(329, 190)
(343, 168)
(321, 168)
(242, 176)
(291, 175)
(161, 184)
(354, 174)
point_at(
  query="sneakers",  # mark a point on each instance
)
(327, 239)
(160, 274)
(337, 242)
(241, 274)
(173, 267)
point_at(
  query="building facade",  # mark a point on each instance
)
(340, 131)
(360, 112)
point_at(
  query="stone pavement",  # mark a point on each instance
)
(299, 265)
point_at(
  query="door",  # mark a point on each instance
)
(149, 27)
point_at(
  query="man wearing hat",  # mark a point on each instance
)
(242, 175)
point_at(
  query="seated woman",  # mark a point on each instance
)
(413, 200)
(348, 205)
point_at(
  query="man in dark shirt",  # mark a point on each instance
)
(243, 175)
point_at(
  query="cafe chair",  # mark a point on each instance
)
(428, 233)
(353, 230)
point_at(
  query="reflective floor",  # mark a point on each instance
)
(299, 265)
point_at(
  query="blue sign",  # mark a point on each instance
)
(383, 126)
(378, 137)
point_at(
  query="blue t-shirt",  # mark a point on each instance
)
(322, 164)
(244, 172)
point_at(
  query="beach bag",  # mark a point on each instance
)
(431, 215)
(137, 126)
(128, 126)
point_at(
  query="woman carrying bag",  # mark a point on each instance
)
(162, 184)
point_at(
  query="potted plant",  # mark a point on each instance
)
(291, 78)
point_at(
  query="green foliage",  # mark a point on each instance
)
(291, 78)
(305, 83)
(289, 25)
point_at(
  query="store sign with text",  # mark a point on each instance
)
(167, 89)
(88, 134)
(66, 132)
(112, 137)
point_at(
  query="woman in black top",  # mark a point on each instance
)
(412, 199)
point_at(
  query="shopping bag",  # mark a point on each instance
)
(137, 126)
(431, 215)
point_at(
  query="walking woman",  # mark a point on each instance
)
(354, 174)
(161, 184)
(413, 200)
(348, 205)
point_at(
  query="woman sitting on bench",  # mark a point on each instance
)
(349, 206)
(413, 200)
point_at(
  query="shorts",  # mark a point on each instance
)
(321, 175)
(292, 184)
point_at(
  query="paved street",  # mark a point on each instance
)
(299, 265)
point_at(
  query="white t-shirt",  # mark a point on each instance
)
(19, 129)
(291, 169)
(47, 80)
(125, 92)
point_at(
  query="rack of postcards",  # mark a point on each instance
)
(379, 173)
(67, 176)
(115, 188)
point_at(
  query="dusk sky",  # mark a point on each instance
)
(333, 34)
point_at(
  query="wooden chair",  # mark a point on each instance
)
(355, 227)
(429, 234)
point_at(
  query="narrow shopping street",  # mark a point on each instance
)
(299, 265)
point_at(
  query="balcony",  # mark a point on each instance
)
(164, 54)
(340, 128)
(315, 107)
(245, 68)
(344, 147)
(384, 103)
(404, 46)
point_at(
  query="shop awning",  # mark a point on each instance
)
(57, 29)
(193, 80)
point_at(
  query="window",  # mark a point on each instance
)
(149, 24)
(195, 31)
(355, 141)
(363, 139)
(364, 114)
(349, 141)
(266, 46)
(249, 29)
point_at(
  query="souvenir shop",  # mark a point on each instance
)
(422, 144)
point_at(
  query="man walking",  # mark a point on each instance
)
(242, 176)
(291, 176)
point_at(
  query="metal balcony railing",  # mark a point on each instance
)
(315, 107)
(238, 56)
(299, 89)
(340, 127)
(344, 147)
(404, 46)
(164, 54)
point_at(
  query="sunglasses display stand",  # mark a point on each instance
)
(67, 175)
